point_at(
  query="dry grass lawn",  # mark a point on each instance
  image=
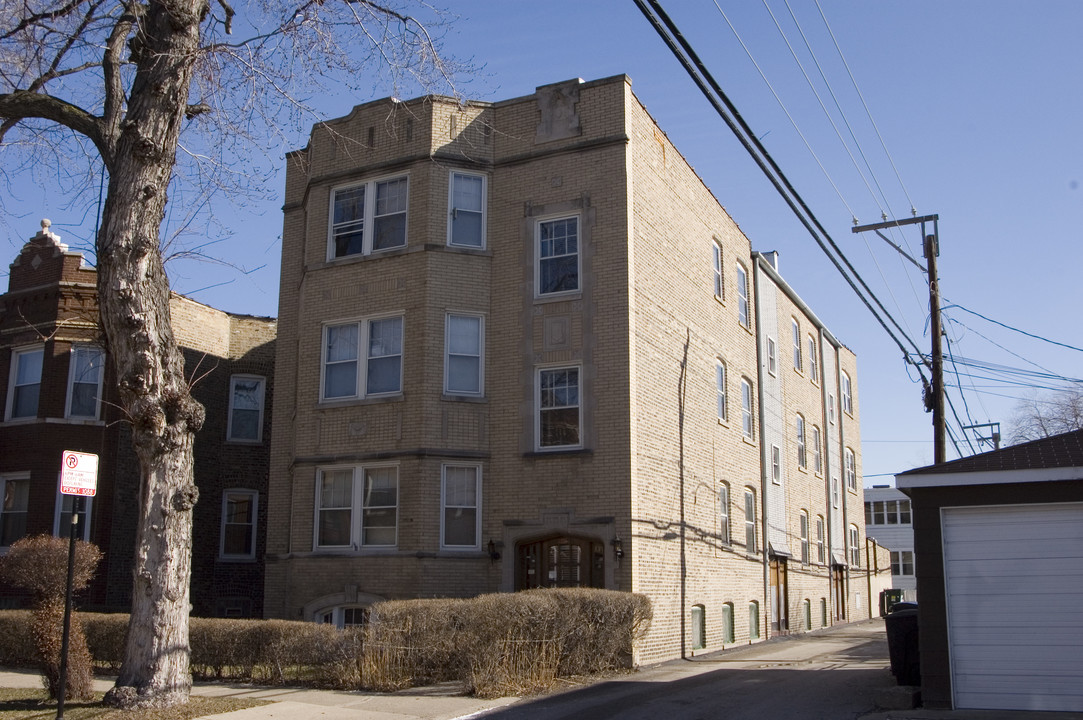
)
(30, 704)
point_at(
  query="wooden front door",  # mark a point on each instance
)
(780, 611)
(838, 583)
(560, 561)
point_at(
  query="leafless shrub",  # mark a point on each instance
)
(40, 564)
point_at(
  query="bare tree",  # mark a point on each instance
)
(117, 84)
(1044, 415)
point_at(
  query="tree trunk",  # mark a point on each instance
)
(134, 300)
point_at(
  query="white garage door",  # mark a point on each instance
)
(1014, 583)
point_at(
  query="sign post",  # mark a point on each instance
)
(78, 478)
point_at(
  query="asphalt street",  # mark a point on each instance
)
(833, 674)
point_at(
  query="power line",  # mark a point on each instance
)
(714, 94)
(1014, 329)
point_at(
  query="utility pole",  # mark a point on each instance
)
(934, 399)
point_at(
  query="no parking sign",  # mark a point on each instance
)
(79, 474)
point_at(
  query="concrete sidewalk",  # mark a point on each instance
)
(440, 702)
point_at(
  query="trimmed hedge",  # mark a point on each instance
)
(500, 644)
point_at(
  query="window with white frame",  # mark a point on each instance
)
(85, 372)
(246, 394)
(344, 616)
(797, 365)
(813, 362)
(16, 493)
(776, 464)
(62, 516)
(558, 255)
(362, 358)
(772, 356)
(368, 217)
(834, 492)
(461, 521)
(743, 316)
(753, 620)
(851, 469)
(847, 395)
(746, 408)
(817, 450)
(855, 547)
(357, 507)
(463, 365)
(902, 562)
(466, 210)
(802, 451)
(25, 386)
(750, 520)
(724, 513)
(716, 255)
(821, 551)
(887, 512)
(720, 389)
(803, 519)
(831, 408)
(559, 417)
(240, 508)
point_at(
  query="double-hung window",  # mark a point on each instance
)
(85, 382)
(902, 562)
(245, 408)
(724, 513)
(746, 408)
(855, 547)
(817, 450)
(797, 364)
(720, 389)
(802, 452)
(742, 297)
(362, 358)
(851, 470)
(357, 507)
(750, 521)
(558, 255)
(804, 538)
(240, 508)
(368, 217)
(461, 521)
(716, 255)
(772, 357)
(463, 363)
(25, 387)
(847, 395)
(821, 552)
(813, 365)
(559, 417)
(15, 490)
(466, 210)
(776, 464)
(65, 505)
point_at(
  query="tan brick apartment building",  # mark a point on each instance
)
(518, 347)
(59, 394)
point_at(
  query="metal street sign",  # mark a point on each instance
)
(79, 474)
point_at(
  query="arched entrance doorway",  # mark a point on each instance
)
(560, 561)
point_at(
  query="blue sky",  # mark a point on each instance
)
(978, 104)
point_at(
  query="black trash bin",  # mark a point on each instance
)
(902, 645)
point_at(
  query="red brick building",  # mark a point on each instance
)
(58, 394)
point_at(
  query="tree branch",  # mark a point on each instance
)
(36, 18)
(24, 105)
(113, 86)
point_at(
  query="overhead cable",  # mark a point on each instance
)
(733, 119)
